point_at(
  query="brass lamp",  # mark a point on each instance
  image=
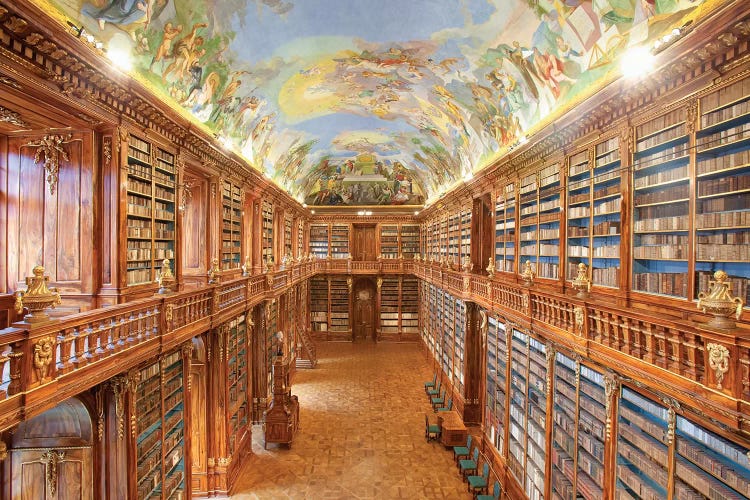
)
(37, 297)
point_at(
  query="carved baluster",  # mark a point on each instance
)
(676, 352)
(627, 341)
(660, 343)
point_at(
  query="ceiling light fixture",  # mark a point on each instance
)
(638, 61)
(120, 58)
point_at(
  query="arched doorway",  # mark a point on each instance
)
(51, 454)
(363, 322)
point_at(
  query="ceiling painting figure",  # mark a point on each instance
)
(374, 103)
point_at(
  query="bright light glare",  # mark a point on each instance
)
(636, 62)
(120, 58)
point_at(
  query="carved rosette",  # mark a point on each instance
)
(44, 349)
(50, 149)
(718, 361)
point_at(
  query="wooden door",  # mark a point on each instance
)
(363, 247)
(363, 324)
(51, 474)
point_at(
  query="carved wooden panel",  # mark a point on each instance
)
(52, 474)
(51, 223)
(364, 243)
(195, 239)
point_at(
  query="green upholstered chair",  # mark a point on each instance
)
(478, 484)
(495, 493)
(430, 384)
(469, 465)
(438, 401)
(448, 406)
(460, 452)
(431, 393)
(431, 432)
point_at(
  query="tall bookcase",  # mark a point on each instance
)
(496, 388)
(505, 228)
(528, 409)
(300, 238)
(409, 306)
(661, 206)
(340, 241)
(593, 213)
(409, 240)
(389, 306)
(288, 232)
(319, 304)
(722, 213)
(238, 413)
(339, 304)
(389, 241)
(454, 238)
(231, 226)
(160, 434)
(267, 236)
(319, 240)
(150, 179)
(577, 431)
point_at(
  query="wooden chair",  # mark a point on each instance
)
(447, 407)
(435, 390)
(438, 402)
(478, 484)
(431, 432)
(495, 493)
(462, 451)
(430, 384)
(469, 465)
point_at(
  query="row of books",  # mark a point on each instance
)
(680, 192)
(722, 220)
(723, 185)
(723, 136)
(661, 283)
(723, 252)
(734, 202)
(674, 174)
(728, 94)
(706, 165)
(671, 119)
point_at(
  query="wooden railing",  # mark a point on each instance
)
(40, 365)
(658, 349)
(43, 364)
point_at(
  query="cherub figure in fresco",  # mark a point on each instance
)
(550, 69)
(165, 47)
(185, 52)
(119, 12)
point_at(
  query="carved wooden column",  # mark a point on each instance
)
(257, 243)
(214, 220)
(472, 412)
(260, 379)
(216, 411)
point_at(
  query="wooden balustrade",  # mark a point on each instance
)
(188, 308)
(231, 293)
(607, 328)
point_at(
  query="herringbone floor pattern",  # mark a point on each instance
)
(361, 433)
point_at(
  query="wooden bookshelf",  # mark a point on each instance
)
(540, 221)
(389, 241)
(319, 304)
(231, 226)
(238, 412)
(267, 232)
(409, 306)
(160, 433)
(340, 241)
(661, 206)
(722, 196)
(339, 305)
(389, 307)
(496, 386)
(505, 228)
(409, 240)
(319, 240)
(288, 231)
(150, 179)
(454, 239)
(300, 238)
(465, 242)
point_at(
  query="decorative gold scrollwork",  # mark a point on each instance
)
(50, 148)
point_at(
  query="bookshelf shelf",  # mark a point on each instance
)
(319, 240)
(505, 228)
(150, 213)
(267, 231)
(231, 233)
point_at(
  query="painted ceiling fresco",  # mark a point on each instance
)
(373, 102)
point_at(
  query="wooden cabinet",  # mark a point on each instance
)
(281, 420)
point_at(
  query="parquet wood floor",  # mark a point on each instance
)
(361, 433)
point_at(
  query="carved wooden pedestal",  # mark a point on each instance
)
(281, 420)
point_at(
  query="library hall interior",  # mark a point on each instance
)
(314, 249)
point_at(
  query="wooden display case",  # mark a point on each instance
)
(281, 420)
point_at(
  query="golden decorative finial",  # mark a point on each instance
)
(466, 264)
(417, 257)
(165, 278)
(247, 266)
(491, 267)
(214, 273)
(268, 264)
(719, 302)
(582, 283)
(37, 297)
(528, 273)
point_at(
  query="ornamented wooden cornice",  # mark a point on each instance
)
(12, 117)
(362, 219)
(34, 43)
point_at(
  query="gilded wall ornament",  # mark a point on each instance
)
(50, 459)
(169, 313)
(718, 360)
(50, 148)
(43, 352)
(12, 117)
(107, 149)
(611, 386)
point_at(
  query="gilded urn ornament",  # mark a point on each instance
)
(166, 279)
(37, 297)
(214, 273)
(582, 283)
(719, 302)
(528, 274)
